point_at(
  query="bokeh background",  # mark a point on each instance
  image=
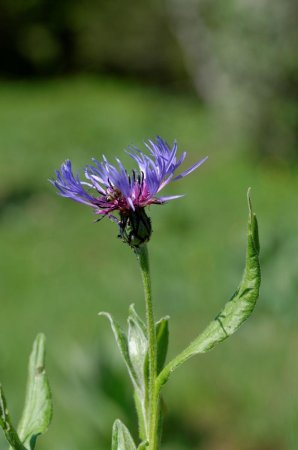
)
(78, 79)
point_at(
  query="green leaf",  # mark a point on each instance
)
(138, 351)
(121, 438)
(133, 348)
(137, 318)
(236, 310)
(37, 412)
(140, 404)
(137, 348)
(162, 341)
(5, 423)
(122, 343)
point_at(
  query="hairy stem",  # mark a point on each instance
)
(153, 406)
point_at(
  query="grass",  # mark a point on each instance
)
(58, 269)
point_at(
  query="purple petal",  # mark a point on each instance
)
(191, 169)
(171, 197)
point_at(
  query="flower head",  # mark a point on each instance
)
(110, 188)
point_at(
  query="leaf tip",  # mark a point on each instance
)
(131, 308)
(249, 200)
(253, 223)
(38, 351)
(116, 423)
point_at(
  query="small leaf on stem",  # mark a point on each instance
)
(122, 343)
(162, 341)
(37, 411)
(137, 318)
(137, 347)
(121, 438)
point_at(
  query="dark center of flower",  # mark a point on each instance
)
(135, 227)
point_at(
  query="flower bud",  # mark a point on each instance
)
(135, 227)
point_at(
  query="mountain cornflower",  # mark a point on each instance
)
(110, 188)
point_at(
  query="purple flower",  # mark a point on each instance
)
(108, 188)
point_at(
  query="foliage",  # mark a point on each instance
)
(37, 412)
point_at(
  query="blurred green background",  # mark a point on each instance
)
(81, 79)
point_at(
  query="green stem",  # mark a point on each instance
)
(153, 415)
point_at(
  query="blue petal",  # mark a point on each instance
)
(191, 169)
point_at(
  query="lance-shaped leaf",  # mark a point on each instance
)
(162, 341)
(236, 310)
(37, 412)
(121, 438)
(5, 423)
(122, 343)
(138, 350)
(137, 318)
(133, 348)
(137, 347)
